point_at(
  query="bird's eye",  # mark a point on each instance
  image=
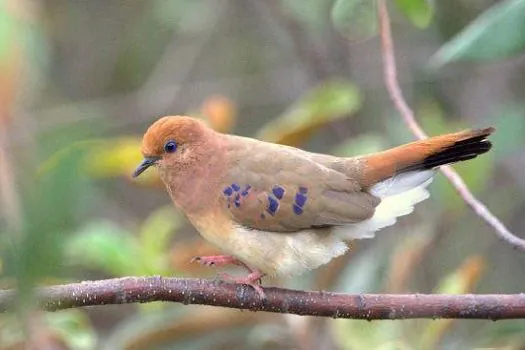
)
(170, 147)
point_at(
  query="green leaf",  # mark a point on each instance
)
(464, 278)
(330, 101)
(496, 34)
(419, 12)
(154, 239)
(74, 328)
(461, 281)
(104, 246)
(50, 208)
(355, 19)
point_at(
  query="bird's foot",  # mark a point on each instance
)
(253, 279)
(219, 261)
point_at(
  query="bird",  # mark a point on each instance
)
(276, 210)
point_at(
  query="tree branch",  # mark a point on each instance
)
(196, 291)
(396, 94)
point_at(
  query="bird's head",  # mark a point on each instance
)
(174, 143)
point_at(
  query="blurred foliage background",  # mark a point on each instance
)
(80, 81)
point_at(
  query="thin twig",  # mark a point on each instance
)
(396, 94)
(197, 291)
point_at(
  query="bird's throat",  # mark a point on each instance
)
(194, 188)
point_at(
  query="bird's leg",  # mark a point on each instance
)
(253, 279)
(220, 261)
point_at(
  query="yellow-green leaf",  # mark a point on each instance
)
(154, 239)
(106, 158)
(104, 246)
(330, 101)
(495, 34)
(460, 281)
(419, 12)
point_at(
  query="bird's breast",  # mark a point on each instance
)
(215, 227)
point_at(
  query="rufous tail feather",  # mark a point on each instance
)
(425, 154)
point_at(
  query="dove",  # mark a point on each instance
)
(277, 210)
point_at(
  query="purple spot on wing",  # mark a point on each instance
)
(246, 190)
(300, 199)
(237, 201)
(236, 187)
(228, 191)
(278, 192)
(303, 190)
(297, 209)
(273, 205)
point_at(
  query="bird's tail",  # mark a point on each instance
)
(425, 154)
(399, 176)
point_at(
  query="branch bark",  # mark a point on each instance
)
(396, 95)
(204, 292)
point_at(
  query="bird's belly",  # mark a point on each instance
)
(287, 253)
(279, 253)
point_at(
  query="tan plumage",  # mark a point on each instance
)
(282, 210)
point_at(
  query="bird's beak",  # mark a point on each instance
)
(146, 163)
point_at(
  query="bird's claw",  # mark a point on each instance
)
(202, 261)
(216, 260)
(259, 291)
(253, 280)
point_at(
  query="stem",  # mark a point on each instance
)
(324, 304)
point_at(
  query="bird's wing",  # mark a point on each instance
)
(274, 188)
